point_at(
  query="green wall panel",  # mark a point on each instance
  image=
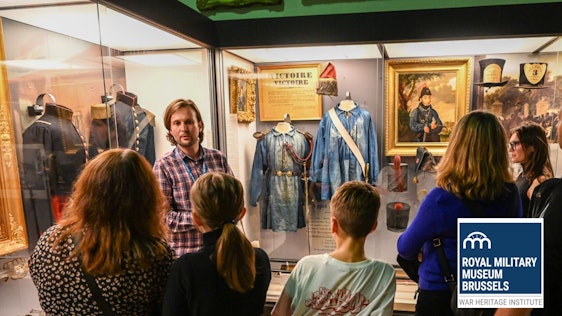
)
(323, 7)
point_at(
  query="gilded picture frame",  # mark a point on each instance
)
(448, 81)
(242, 91)
(13, 231)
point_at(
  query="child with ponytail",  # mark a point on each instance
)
(227, 276)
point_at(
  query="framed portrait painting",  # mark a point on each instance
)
(242, 90)
(424, 98)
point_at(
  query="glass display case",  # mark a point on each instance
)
(79, 78)
(73, 86)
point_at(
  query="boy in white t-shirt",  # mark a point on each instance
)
(344, 281)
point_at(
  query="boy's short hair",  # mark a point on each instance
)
(355, 205)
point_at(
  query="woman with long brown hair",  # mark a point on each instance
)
(112, 235)
(528, 146)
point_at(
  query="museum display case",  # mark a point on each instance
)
(89, 67)
(79, 78)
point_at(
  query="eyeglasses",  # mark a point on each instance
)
(513, 145)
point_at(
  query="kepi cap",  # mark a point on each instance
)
(327, 83)
(102, 111)
(424, 162)
(423, 90)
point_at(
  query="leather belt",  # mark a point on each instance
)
(280, 173)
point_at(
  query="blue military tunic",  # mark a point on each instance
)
(129, 127)
(423, 116)
(54, 153)
(276, 180)
(333, 162)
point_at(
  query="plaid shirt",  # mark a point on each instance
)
(175, 181)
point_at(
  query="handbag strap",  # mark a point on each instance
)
(352, 145)
(442, 258)
(444, 264)
(94, 288)
(102, 303)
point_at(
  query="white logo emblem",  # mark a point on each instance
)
(477, 237)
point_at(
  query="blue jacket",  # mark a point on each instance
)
(437, 217)
(333, 162)
(277, 180)
(130, 128)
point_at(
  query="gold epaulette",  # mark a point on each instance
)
(260, 135)
(306, 134)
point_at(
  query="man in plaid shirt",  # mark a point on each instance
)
(178, 169)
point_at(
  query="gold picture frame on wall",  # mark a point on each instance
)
(448, 81)
(13, 232)
(242, 91)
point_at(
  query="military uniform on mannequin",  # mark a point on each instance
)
(102, 127)
(130, 126)
(278, 168)
(133, 126)
(54, 138)
(333, 160)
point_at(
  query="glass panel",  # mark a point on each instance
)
(68, 73)
(73, 86)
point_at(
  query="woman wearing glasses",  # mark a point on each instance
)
(528, 146)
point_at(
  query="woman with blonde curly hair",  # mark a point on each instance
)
(473, 180)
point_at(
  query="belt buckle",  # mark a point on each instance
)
(279, 173)
(289, 173)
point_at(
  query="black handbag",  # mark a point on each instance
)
(410, 267)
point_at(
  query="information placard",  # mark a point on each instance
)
(289, 89)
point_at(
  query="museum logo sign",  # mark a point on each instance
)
(500, 262)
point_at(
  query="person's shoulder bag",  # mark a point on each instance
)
(96, 291)
(448, 274)
(410, 267)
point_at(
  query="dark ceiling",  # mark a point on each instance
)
(222, 10)
(503, 21)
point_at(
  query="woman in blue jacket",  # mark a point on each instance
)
(475, 167)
